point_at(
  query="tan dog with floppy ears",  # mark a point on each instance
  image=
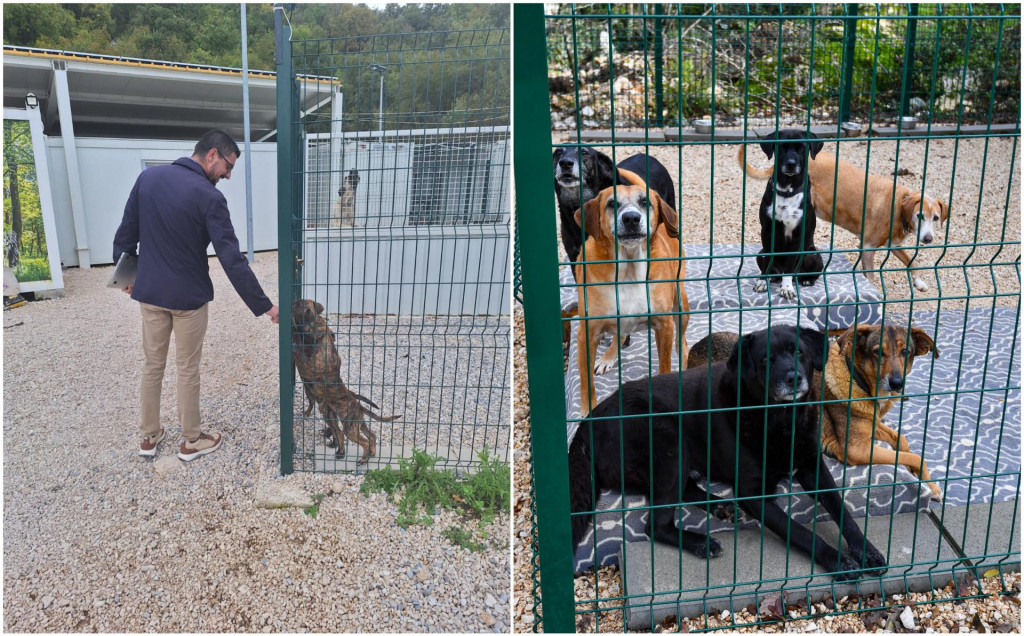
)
(622, 224)
(872, 367)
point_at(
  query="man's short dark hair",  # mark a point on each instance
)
(218, 139)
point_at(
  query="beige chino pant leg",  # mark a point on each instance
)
(189, 328)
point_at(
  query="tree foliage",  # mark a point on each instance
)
(210, 33)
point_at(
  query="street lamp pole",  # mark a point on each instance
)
(378, 68)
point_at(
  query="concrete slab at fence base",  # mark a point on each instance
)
(459, 458)
(914, 537)
(991, 536)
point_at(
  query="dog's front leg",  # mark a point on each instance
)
(776, 520)
(907, 259)
(664, 334)
(860, 548)
(586, 352)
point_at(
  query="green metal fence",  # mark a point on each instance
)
(665, 47)
(778, 66)
(394, 198)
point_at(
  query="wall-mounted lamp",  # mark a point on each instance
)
(31, 101)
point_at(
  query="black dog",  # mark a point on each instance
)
(787, 218)
(775, 381)
(593, 169)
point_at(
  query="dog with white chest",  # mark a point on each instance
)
(787, 222)
(631, 276)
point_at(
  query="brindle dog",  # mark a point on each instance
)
(316, 358)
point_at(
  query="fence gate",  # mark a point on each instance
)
(690, 85)
(394, 199)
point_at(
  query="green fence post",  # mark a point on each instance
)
(542, 312)
(659, 51)
(908, 60)
(849, 48)
(285, 217)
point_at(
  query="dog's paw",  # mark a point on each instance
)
(708, 549)
(936, 492)
(920, 285)
(788, 293)
(874, 561)
(806, 282)
(339, 453)
(603, 367)
(848, 569)
(761, 286)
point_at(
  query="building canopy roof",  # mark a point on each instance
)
(147, 99)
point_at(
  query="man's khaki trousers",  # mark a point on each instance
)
(189, 328)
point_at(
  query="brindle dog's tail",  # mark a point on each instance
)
(763, 175)
(365, 400)
(581, 496)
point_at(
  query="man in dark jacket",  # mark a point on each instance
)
(173, 214)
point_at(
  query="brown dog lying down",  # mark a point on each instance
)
(319, 366)
(883, 221)
(850, 377)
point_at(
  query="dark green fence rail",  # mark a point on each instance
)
(628, 67)
(395, 218)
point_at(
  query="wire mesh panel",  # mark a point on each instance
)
(671, 68)
(696, 493)
(402, 244)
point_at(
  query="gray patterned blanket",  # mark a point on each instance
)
(974, 381)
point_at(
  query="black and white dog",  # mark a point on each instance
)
(589, 171)
(787, 218)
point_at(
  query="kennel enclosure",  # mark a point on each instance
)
(633, 78)
(394, 216)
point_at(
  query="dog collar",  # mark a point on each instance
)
(855, 374)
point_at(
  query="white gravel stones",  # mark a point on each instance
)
(281, 493)
(95, 540)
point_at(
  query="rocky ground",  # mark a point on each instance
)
(97, 538)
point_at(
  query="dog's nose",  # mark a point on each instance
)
(631, 220)
(895, 382)
(793, 376)
(927, 238)
(565, 164)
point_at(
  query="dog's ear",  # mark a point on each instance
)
(591, 221)
(744, 343)
(555, 156)
(815, 344)
(667, 215)
(943, 213)
(769, 149)
(319, 308)
(909, 205)
(846, 339)
(604, 167)
(923, 343)
(815, 145)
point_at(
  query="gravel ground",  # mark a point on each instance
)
(978, 215)
(97, 538)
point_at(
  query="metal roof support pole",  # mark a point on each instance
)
(245, 128)
(336, 146)
(67, 133)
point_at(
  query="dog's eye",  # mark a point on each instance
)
(764, 360)
(644, 202)
(904, 352)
